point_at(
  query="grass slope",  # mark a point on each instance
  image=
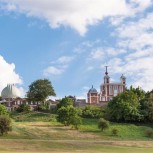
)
(40, 132)
(126, 131)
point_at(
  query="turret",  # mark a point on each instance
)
(123, 79)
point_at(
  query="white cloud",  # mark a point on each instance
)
(53, 70)
(135, 36)
(85, 46)
(114, 52)
(96, 54)
(64, 59)
(8, 75)
(77, 14)
(58, 66)
(140, 71)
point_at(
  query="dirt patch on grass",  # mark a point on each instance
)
(76, 146)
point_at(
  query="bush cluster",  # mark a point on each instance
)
(92, 112)
(24, 108)
(133, 105)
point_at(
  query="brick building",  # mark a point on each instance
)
(107, 90)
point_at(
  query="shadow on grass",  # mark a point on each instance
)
(37, 125)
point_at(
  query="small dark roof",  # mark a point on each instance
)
(123, 76)
(92, 90)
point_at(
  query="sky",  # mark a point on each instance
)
(70, 41)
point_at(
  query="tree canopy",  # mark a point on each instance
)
(138, 91)
(124, 107)
(65, 102)
(147, 107)
(40, 90)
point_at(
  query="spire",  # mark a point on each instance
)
(106, 70)
(92, 86)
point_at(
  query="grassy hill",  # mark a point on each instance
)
(40, 132)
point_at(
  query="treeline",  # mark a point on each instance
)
(133, 105)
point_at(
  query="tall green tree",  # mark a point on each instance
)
(40, 90)
(124, 107)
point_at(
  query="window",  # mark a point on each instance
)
(115, 92)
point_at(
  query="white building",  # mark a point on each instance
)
(11, 98)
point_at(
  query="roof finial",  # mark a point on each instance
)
(106, 70)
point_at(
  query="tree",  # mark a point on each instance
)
(5, 124)
(147, 107)
(103, 124)
(3, 110)
(139, 92)
(124, 107)
(40, 90)
(69, 116)
(65, 102)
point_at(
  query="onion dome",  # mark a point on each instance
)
(92, 90)
(10, 91)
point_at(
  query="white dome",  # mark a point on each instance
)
(10, 92)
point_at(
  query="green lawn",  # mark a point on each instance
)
(126, 131)
(40, 132)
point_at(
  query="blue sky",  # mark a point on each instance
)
(70, 41)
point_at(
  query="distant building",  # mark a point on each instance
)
(107, 90)
(10, 98)
(80, 103)
(93, 96)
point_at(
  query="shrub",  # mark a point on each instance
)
(103, 124)
(115, 131)
(5, 124)
(3, 110)
(69, 116)
(24, 108)
(92, 112)
(149, 132)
